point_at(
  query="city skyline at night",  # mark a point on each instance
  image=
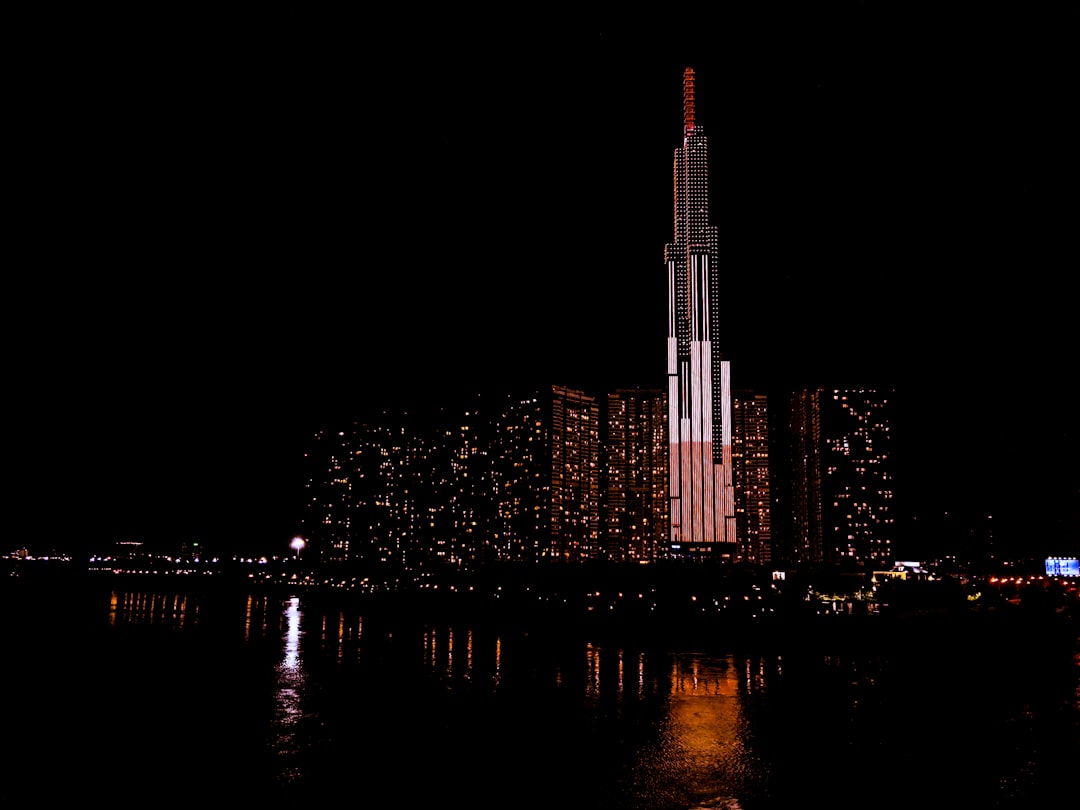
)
(289, 242)
(434, 410)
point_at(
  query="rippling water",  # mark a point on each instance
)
(279, 699)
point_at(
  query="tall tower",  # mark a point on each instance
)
(702, 513)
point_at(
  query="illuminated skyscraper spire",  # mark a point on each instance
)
(699, 387)
(688, 101)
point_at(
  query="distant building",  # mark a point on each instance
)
(501, 478)
(751, 474)
(551, 474)
(702, 509)
(546, 477)
(575, 483)
(451, 477)
(634, 476)
(520, 456)
(842, 487)
(358, 504)
(329, 503)
(555, 473)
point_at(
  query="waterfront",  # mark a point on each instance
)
(273, 697)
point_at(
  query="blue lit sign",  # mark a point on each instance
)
(1062, 567)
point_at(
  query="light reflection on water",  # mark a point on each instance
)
(700, 746)
(290, 664)
(258, 611)
(140, 608)
(288, 692)
(665, 729)
(704, 739)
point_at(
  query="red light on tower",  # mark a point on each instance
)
(688, 100)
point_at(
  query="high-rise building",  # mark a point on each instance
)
(575, 475)
(520, 457)
(751, 473)
(512, 478)
(356, 496)
(329, 505)
(634, 476)
(843, 476)
(546, 477)
(702, 507)
(454, 485)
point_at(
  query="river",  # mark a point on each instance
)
(169, 695)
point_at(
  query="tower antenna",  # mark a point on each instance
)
(688, 101)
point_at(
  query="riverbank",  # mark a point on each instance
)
(620, 608)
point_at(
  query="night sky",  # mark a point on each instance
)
(238, 232)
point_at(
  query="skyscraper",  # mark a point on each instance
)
(702, 513)
(634, 475)
(575, 476)
(751, 473)
(547, 477)
(841, 455)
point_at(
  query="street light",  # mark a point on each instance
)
(297, 545)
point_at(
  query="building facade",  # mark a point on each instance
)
(575, 476)
(751, 471)
(504, 478)
(842, 492)
(635, 476)
(546, 477)
(701, 493)
(358, 506)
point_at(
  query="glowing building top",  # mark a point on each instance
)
(688, 101)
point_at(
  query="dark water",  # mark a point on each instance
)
(165, 697)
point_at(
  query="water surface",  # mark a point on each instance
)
(281, 698)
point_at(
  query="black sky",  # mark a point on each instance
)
(239, 230)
